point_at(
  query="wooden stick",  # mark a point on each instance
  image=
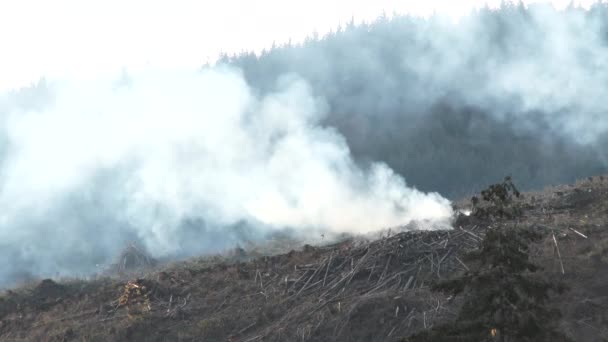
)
(358, 266)
(408, 283)
(371, 272)
(261, 280)
(385, 269)
(245, 328)
(327, 270)
(336, 279)
(579, 233)
(559, 255)
(312, 285)
(472, 234)
(294, 284)
(309, 279)
(219, 307)
(424, 315)
(441, 260)
(462, 263)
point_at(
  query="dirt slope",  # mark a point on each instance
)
(353, 290)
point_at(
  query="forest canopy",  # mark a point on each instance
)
(452, 106)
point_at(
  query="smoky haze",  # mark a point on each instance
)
(455, 106)
(181, 163)
(317, 136)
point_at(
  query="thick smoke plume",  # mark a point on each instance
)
(182, 163)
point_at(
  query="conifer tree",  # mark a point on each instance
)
(504, 300)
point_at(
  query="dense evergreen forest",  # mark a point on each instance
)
(452, 106)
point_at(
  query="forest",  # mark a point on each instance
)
(452, 106)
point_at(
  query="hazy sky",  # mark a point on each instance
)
(85, 38)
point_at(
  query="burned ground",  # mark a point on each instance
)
(352, 290)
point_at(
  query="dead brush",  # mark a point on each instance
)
(136, 298)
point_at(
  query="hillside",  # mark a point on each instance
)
(358, 121)
(354, 289)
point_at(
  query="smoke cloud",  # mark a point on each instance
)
(183, 163)
(455, 106)
(315, 136)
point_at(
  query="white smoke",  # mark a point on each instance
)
(105, 162)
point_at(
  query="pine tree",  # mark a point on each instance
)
(504, 300)
(499, 201)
